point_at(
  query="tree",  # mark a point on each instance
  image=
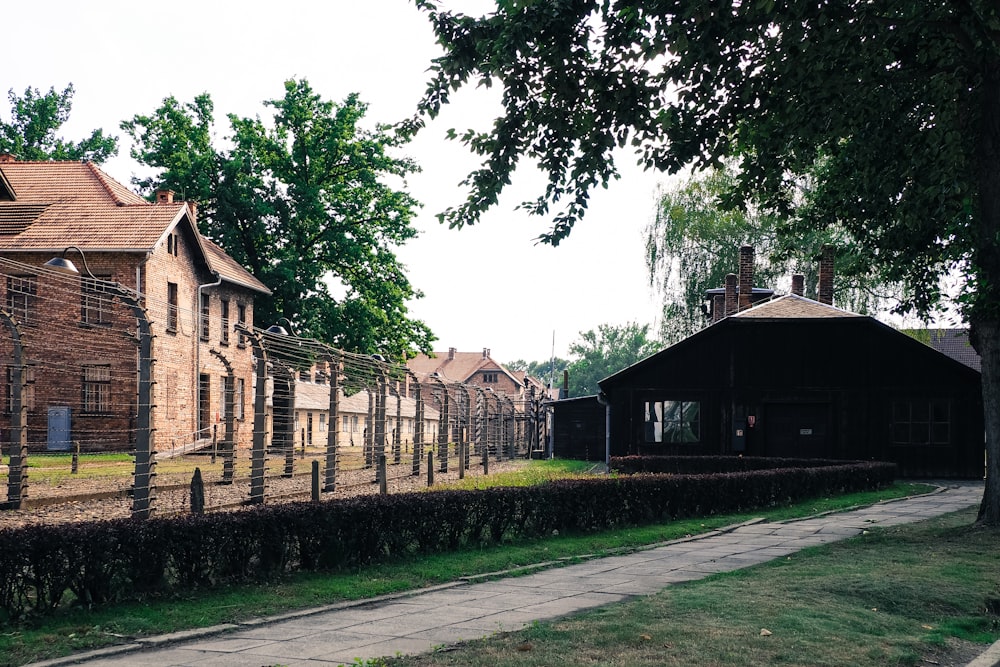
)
(35, 119)
(891, 111)
(693, 242)
(547, 370)
(304, 205)
(604, 352)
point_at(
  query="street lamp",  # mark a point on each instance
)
(142, 485)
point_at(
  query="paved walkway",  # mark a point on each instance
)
(417, 622)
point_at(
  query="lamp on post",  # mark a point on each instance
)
(142, 484)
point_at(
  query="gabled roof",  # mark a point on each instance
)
(952, 342)
(793, 306)
(457, 366)
(47, 206)
(228, 268)
(786, 308)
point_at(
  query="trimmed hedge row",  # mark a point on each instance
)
(42, 567)
(703, 465)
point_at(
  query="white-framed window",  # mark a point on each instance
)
(97, 389)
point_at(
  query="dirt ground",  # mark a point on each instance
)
(85, 498)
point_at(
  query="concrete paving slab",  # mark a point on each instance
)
(339, 634)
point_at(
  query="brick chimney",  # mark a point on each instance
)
(825, 289)
(718, 307)
(7, 157)
(798, 284)
(451, 353)
(193, 210)
(164, 196)
(486, 352)
(746, 276)
(731, 301)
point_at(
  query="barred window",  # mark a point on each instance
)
(29, 393)
(241, 318)
(95, 301)
(22, 296)
(238, 398)
(205, 323)
(97, 389)
(224, 331)
(172, 307)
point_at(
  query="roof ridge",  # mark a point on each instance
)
(104, 180)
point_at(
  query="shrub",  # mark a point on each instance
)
(106, 561)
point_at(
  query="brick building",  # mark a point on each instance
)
(79, 341)
(473, 368)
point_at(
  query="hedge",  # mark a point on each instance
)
(43, 567)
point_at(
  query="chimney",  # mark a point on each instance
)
(718, 307)
(746, 276)
(731, 301)
(798, 284)
(164, 196)
(825, 289)
(451, 353)
(486, 352)
(7, 157)
(193, 210)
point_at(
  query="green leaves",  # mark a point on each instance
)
(304, 204)
(606, 351)
(35, 119)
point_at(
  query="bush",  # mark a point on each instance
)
(100, 562)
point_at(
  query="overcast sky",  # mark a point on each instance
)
(489, 286)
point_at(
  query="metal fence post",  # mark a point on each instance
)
(257, 454)
(17, 471)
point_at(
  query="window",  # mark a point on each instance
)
(309, 428)
(241, 318)
(238, 395)
(95, 301)
(224, 331)
(22, 293)
(172, 242)
(29, 392)
(673, 421)
(322, 422)
(97, 389)
(204, 316)
(921, 422)
(172, 307)
(345, 424)
(227, 390)
(490, 377)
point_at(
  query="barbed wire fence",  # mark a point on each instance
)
(92, 366)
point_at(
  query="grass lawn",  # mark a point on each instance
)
(76, 629)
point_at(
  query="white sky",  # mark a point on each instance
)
(486, 286)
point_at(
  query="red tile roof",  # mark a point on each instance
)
(47, 206)
(460, 368)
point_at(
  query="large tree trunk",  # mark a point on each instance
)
(987, 335)
(985, 315)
